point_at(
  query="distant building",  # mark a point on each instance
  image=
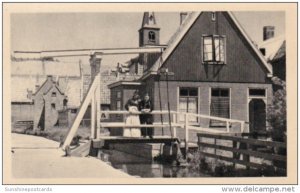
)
(33, 81)
(273, 48)
(40, 87)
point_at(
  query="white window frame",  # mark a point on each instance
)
(198, 101)
(264, 98)
(213, 60)
(210, 92)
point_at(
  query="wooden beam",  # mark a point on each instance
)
(87, 52)
(72, 131)
(93, 115)
(123, 125)
(267, 156)
(243, 140)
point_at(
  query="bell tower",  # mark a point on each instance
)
(149, 32)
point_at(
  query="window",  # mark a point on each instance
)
(118, 105)
(214, 49)
(188, 102)
(53, 106)
(118, 94)
(219, 105)
(53, 94)
(151, 36)
(257, 92)
(73, 111)
(263, 51)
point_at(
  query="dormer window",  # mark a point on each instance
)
(214, 49)
(151, 36)
(53, 94)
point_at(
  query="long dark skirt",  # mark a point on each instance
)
(148, 120)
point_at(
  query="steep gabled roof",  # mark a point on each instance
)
(272, 46)
(184, 28)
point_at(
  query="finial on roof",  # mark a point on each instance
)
(149, 20)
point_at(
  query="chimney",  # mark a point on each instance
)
(49, 78)
(269, 32)
(182, 16)
(95, 63)
(37, 87)
(29, 94)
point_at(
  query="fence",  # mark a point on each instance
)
(247, 147)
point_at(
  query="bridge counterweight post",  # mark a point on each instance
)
(174, 127)
(98, 106)
(93, 114)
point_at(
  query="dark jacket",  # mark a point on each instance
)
(146, 117)
(130, 103)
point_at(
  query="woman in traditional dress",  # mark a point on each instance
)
(132, 106)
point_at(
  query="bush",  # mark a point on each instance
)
(276, 115)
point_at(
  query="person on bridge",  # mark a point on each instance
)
(146, 107)
(132, 106)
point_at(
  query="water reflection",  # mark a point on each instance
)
(138, 166)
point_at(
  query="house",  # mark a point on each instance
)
(48, 101)
(273, 48)
(40, 87)
(213, 69)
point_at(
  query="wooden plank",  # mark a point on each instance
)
(118, 125)
(98, 143)
(244, 140)
(93, 118)
(229, 159)
(98, 104)
(174, 127)
(72, 131)
(88, 52)
(138, 113)
(248, 152)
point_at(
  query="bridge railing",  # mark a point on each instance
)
(175, 123)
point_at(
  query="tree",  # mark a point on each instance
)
(277, 111)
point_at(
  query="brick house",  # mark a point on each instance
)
(213, 67)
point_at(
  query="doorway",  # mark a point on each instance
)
(257, 115)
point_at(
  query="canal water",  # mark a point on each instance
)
(145, 168)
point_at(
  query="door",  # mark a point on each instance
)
(257, 115)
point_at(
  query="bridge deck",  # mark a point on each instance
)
(104, 140)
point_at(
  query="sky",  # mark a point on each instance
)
(60, 31)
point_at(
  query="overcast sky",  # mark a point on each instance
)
(59, 31)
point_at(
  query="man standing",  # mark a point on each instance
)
(146, 107)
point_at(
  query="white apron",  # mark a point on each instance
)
(132, 120)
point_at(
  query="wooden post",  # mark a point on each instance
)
(234, 155)
(242, 126)
(174, 127)
(186, 133)
(98, 99)
(72, 131)
(215, 151)
(227, 126)
(246, 157)
(93, 114)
